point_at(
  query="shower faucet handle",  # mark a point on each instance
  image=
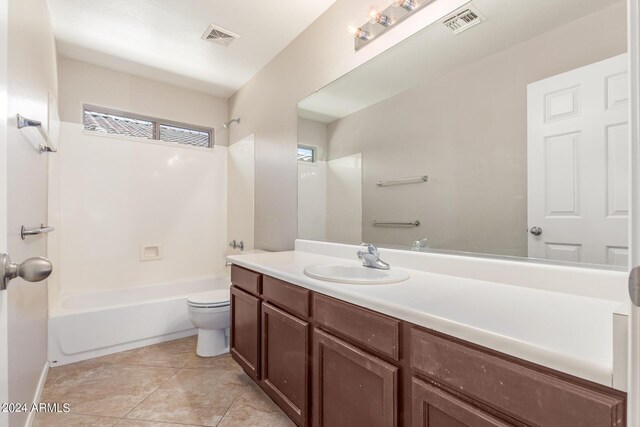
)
(235, 245)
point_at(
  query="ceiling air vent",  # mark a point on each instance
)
(464, 20)
(219, 35)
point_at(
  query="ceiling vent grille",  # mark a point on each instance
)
(464, 20)
(219, 35)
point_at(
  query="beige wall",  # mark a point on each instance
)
(267, 105)
(32, 82)
(85, 83)
(468, 132)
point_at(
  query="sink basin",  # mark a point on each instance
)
(355, 274)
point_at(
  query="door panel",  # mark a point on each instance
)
(350, 386)
(245, 331)
(578, 174)
(285, 343)
(4, 355)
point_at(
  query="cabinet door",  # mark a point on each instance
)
(351, 387)
(245, 331)
(285, 343)
(433, 407)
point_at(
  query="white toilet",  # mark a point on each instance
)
(210, 313)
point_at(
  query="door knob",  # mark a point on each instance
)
(535, 230)
(32, 270)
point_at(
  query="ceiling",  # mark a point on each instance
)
(435, 51)
(160, 39)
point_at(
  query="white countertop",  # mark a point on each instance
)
(568, 332)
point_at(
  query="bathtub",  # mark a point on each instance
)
(87, 325)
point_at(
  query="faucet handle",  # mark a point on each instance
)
(371, 249)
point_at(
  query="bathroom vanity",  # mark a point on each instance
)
(332, 355)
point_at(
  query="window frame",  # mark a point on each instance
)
(156, 121)
(314, 151)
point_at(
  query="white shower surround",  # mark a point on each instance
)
(110, 196)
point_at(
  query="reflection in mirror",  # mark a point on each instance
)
(509, 138)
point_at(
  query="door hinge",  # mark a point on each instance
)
(634, 286)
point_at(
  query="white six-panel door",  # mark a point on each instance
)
(578, 174)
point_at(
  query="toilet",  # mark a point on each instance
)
(210, 313)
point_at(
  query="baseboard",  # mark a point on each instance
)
(38, 394)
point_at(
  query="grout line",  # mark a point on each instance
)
(225, 412)
(156, 389)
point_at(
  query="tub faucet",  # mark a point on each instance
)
(371, 258)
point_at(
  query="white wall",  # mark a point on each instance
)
(32, 83)
(117, 194)
(84, 83)
(267, 104)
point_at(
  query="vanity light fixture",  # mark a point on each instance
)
(396, 11)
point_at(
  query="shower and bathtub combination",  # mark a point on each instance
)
(91, 324)
(135, 269)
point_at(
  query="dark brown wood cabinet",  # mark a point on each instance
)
(245, 331)
(285, 366)
(329, 363)
(351, 387)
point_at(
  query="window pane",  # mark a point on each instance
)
(119, 125)
(180, 135)
(306, 154)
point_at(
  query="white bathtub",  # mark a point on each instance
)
(87, 325)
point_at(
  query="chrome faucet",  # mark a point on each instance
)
(371, 258)
(418, 245)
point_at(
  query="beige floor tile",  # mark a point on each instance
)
(103, 389)
(224, 362)
(170, 354)
(253, 408)
(72, 420)
(139, 423)
(193, 396)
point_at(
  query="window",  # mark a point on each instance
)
(306, 154)
(98, 119)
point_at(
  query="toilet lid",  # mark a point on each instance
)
(215, 298)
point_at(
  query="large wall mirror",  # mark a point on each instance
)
(507, 136)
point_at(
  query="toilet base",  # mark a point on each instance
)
(211, 342)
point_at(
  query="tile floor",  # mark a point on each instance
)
(163, 385)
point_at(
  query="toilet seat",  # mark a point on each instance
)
(210, 299)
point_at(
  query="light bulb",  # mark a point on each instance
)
(358, 32)
(408, 5)
(377, 17)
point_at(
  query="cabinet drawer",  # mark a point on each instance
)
(532, 396)
(365, 327)
(433, 407)
(246, 280)
(290, 297)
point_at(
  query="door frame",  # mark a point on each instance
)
(4, 353)
(633, 30)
